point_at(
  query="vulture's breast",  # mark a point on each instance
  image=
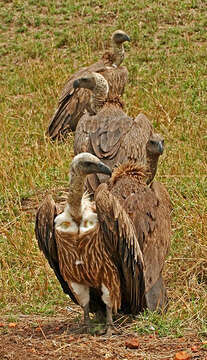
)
(65, 223)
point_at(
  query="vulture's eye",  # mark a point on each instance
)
(87, 163)
(65, 224)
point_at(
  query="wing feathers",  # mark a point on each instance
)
(44, 227)
(119, 235)
(73, 103)
(45, 234)
(150, 214)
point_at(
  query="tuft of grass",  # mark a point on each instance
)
(159, 324)
(43, 43)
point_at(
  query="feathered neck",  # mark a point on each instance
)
(129, 169)
(75, 194)
(118, 52)
(99, 94)
(152, 162)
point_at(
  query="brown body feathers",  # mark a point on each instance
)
(149, 209)
(73, 103)
(115, 138)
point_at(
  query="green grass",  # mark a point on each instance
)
(42, 44)
(153, 323)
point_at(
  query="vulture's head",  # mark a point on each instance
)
(119, 37)
(155, 144)
(85, 163)
(91, 81)
(96, 83)
(86, 82)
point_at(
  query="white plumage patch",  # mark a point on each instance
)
(105, 295)
(89, 217)
(65, 223)
(82, 293)
(79, 262)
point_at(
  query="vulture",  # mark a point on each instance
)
(73, 102)
(109, 252)
(113, 136)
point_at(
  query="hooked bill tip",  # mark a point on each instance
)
(104, 169)
(161, 148)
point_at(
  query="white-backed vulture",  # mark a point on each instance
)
(85, 257)
(115, 246)
(72, 103)
(114, 137)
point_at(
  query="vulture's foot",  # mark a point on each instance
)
(85, 329)
(110, 329)
(80, 329)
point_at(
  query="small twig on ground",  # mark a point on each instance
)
(41, 330)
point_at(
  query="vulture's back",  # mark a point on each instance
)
(73, 103)
(113, 137)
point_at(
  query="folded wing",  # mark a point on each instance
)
(120, 238)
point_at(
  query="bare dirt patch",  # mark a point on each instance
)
(58, 337)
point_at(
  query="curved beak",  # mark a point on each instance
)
(160, 147)
(76, 84)
(126, 38)
(104, 169)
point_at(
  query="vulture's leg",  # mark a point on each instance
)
(86, 317)
(82, 293)
(109, 321)
(107, 300)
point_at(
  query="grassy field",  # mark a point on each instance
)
(43, 43)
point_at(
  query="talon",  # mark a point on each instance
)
(109, 332)
(86, 329)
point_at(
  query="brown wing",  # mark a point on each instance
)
(86, 125)
(100, 135)
(120, 239)
(149, 210)
(119, 137)
(133, 142)
(68, 113)
(45, 235)
(73, 103)
(116, 140)
(160, 242)
(92, 130)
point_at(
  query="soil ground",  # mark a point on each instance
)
(60, 337)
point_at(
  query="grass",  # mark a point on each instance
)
(45, 42)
